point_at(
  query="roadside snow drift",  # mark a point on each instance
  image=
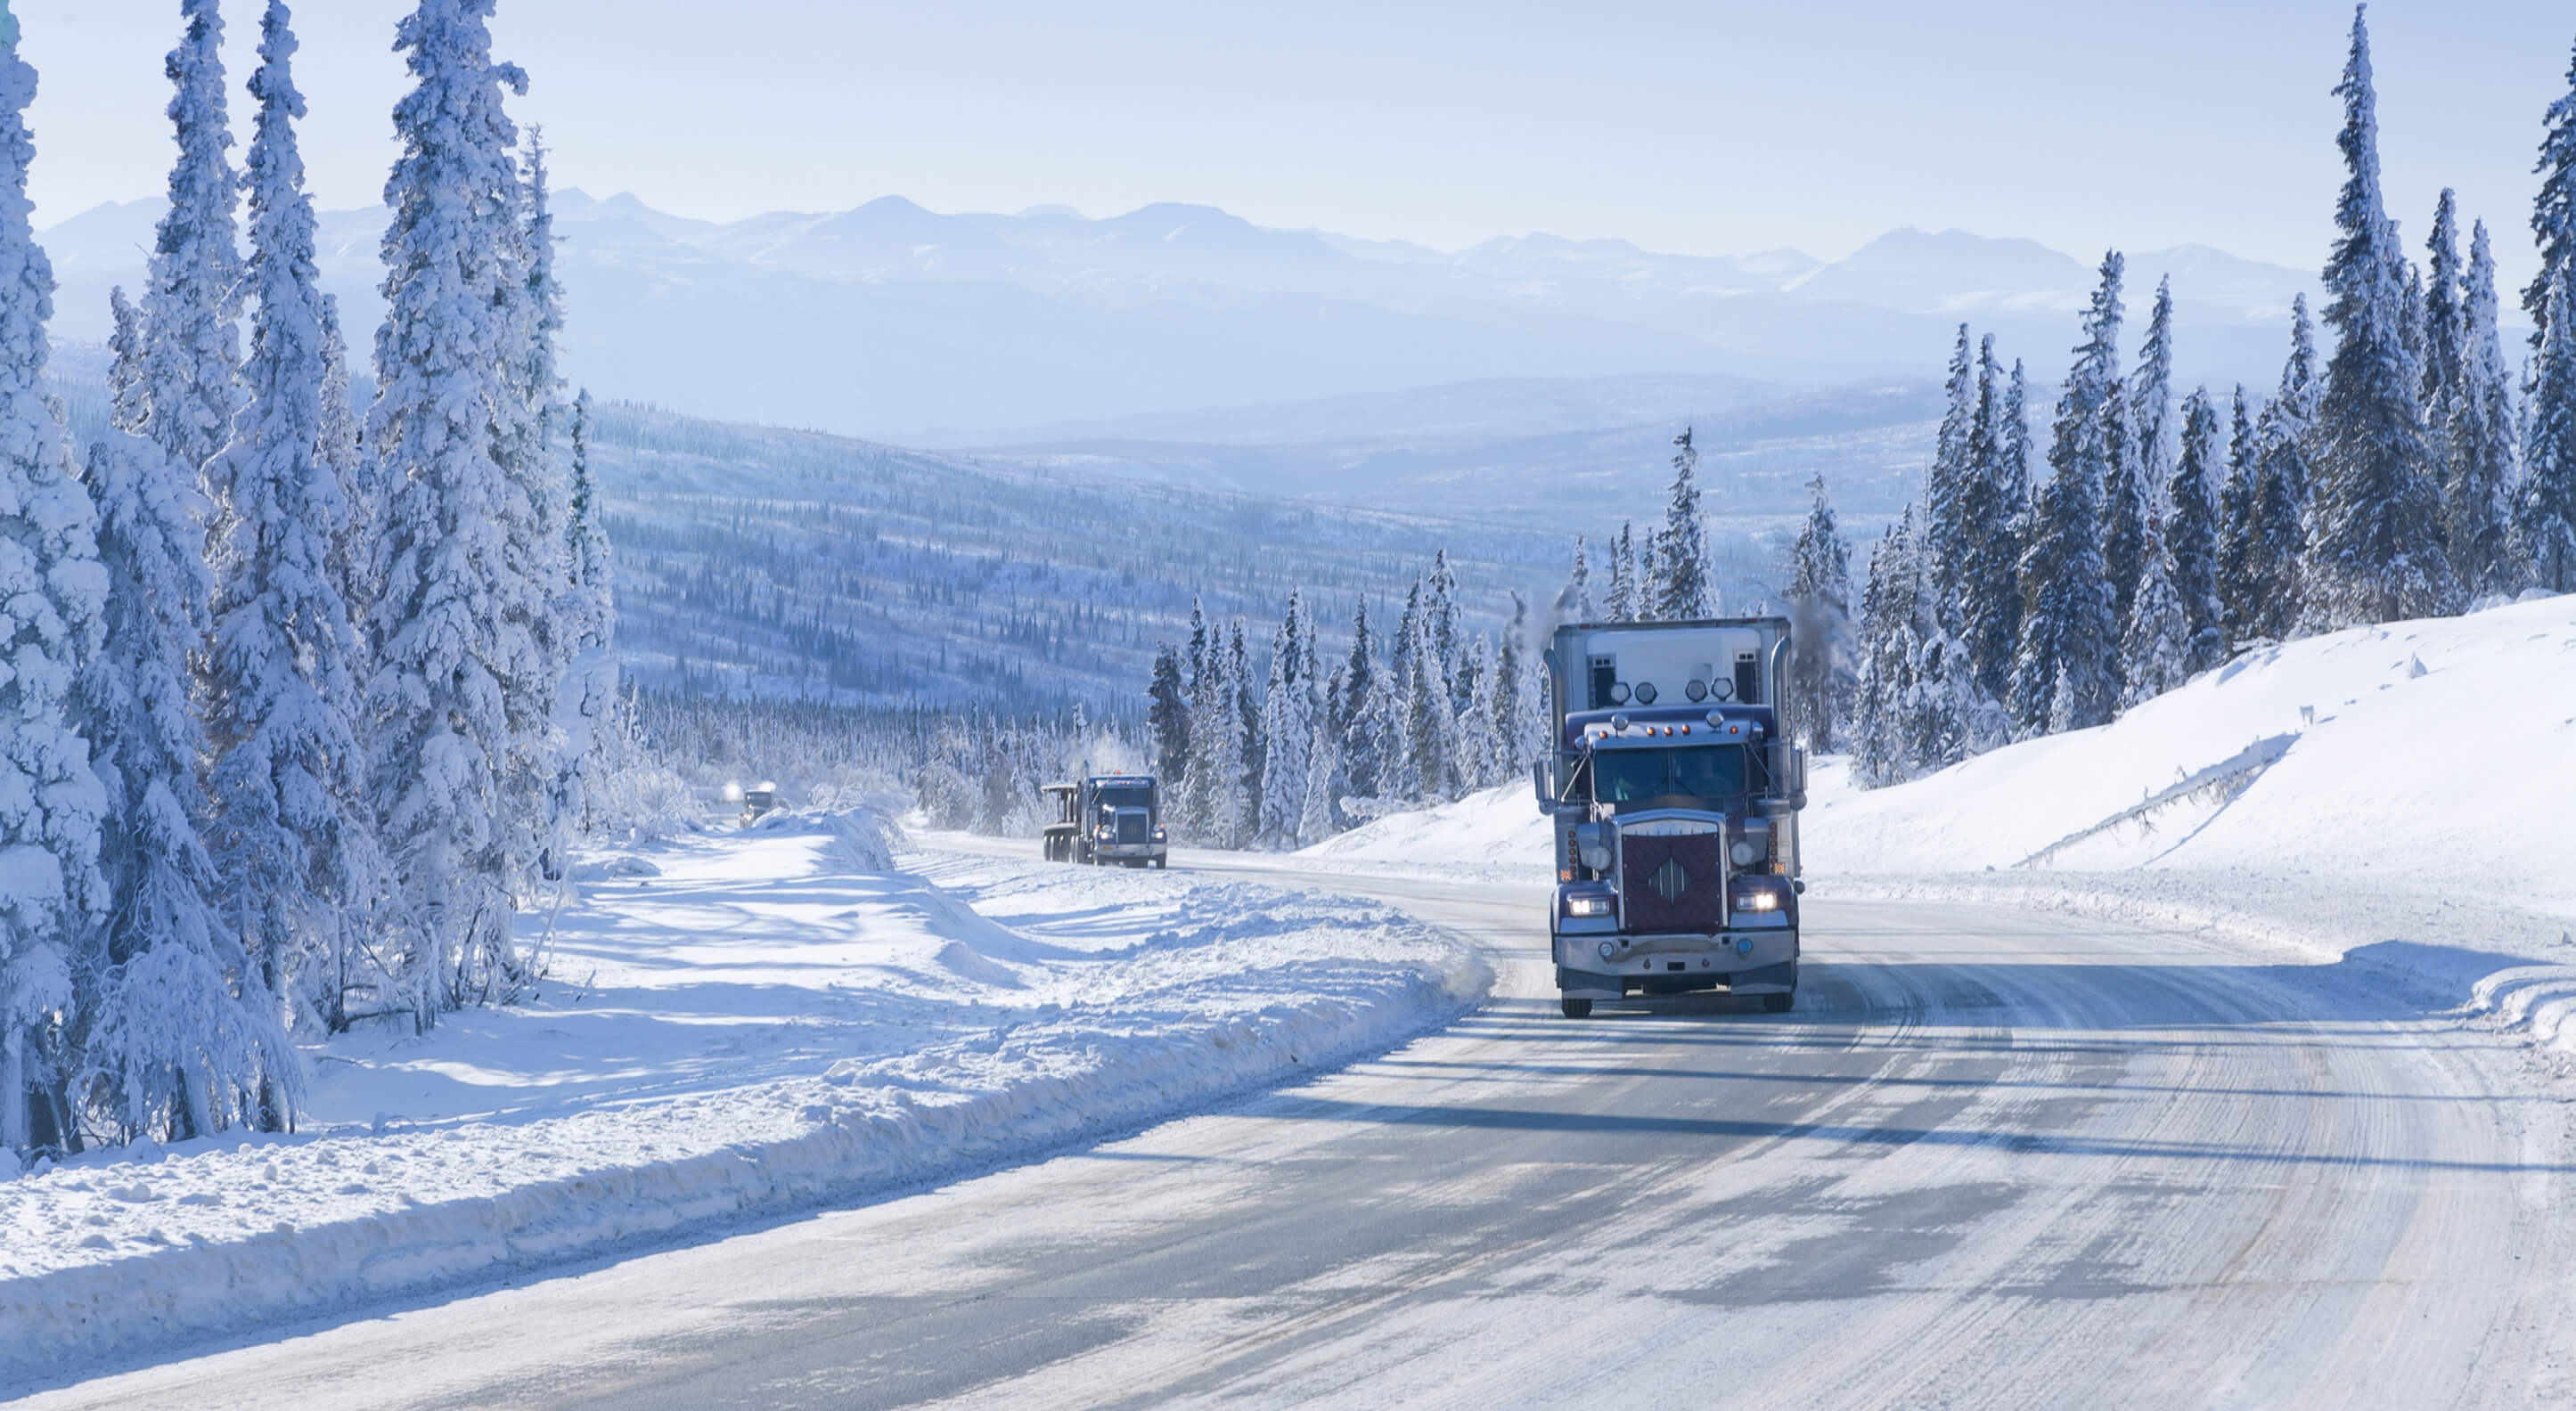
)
(743, 1024)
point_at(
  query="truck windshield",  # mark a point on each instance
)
(1127, 796)
(1700, 772)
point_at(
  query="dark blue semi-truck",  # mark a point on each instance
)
(1675, 787)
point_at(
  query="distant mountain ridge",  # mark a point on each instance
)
(901, 323)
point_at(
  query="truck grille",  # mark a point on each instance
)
(1133, 825)
(1673, 883)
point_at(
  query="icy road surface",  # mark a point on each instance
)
(1993, 1159)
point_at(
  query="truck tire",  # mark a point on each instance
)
(1780, 1003)
(1575, 1008)
(1160, 862)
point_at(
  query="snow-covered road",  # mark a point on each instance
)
(1994, 1158)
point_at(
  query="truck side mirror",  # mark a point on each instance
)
(1539, 782)
(1592, 845)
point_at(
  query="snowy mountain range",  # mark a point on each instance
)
(907, 325)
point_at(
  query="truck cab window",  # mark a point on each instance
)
(1700, 772)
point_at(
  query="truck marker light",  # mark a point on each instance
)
(1608, 950)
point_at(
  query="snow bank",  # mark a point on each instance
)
(1497, 832)
(751, 1025)
(2439, 753)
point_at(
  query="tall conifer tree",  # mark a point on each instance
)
(2544, 510)
(193, 299)
(2376, 550)
(2062, 677)
(2192, 536)
(2476, 493)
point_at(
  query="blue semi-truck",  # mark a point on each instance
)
(1675, 786)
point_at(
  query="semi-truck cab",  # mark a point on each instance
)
(1675, 787)
(1107, 818)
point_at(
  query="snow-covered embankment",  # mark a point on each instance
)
(738, 1025)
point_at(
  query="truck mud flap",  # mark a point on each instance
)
(1783, 975)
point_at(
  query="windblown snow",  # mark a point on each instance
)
(736, 1024)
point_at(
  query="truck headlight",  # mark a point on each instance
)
(1758, 899)
(1587, 906)
(1158, 835)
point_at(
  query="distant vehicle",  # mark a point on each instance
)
(1675, 792)
(1107, 818)
(758, 801)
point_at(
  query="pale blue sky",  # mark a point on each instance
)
(1707, 127)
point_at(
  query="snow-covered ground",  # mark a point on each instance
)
(2400, 794)
(733, 1024)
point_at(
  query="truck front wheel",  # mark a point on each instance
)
(1779, 1003)
(1160, 862)
(1575, 1008)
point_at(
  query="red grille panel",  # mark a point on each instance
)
(1673, 883)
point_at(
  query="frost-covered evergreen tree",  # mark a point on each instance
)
(2445, 330)
(293, 837)
(1358, 717)
(1997, 512)
(353, 548)
(2479, 426)
(1514, 725)
(1430, 726)
(544, 704)
(1819, 594)
(1287, 727)
(2062, 676)
(457, 658)
(185, 1040)
(2156, 646)
(1880, 752)
(1474, 731)
(2274, 551)
(1320, 820)
(1623, 578)
(1218, 740)
(2239, 578)
(2553, 211)
(1248, 768)
(586, 620)
(2192, 537)
(2544, 508)
(2375, 553)
(1443, 641)
(1190, 790)
(2127, 505)
(2155, 434)
(192, 302)
(1679, 589)
(1167, 720)
(52, 596)
(1946, 482)
(1575, 603)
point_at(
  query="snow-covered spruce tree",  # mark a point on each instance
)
(457, 659)
(192, 302)
(1360, 711)
(1623, 578)
(185, 1039)
(2479, 440)
(2274, 551)
(1996, 510)
(587, 622)
(1474, 730)
(2544, 508)
(2444, 327)
(1248, 766)
(52, 596)
(547, 725)
(1323, 771)
(353, 548)
(2127, 505)
(2155, 434)
(1883, 749)
(2553, 211)
(1946, 481)
(1167, 720)
(1187, 792)
(2239, 582)
(1440, 606)
(1430, 727)
(1287, 728)
(1819, 596)
(1513, 710)
(1575, 603)
(2062, 678)
(1679, 589)
(2191, 537)
(293, 838)
(2155, 648)
(1216, 763)
(2375, 554)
